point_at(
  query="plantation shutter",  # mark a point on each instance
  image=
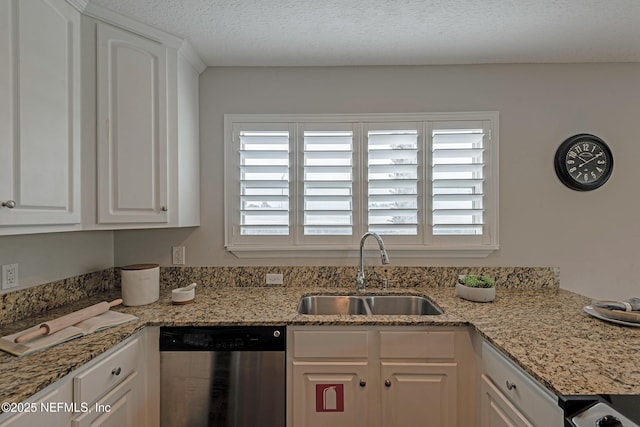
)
(310, 186)
(393, 207)
(328, 182)
(264, 182)
(458, 180)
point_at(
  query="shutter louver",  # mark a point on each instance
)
(457, 182)
(264, 183)
(393, 182)
(328, 183)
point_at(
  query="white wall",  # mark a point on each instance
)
(44, 258)
(591, 236)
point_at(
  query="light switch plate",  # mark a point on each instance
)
(9, 276)
(178, 255)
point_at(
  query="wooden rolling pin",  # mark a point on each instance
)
(60, 323)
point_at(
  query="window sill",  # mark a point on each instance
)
(353, 252)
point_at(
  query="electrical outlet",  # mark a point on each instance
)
(178, 255)
(274, 279)
(9, 276)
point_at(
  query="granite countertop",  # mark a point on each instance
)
(545, 331)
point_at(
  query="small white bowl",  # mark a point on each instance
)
(184, 295)
(475, 294)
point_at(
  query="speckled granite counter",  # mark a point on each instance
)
(544, 330)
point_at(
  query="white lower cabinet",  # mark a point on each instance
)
(344, 405)
(120, 407)
(117, 379)
(416, 394)
(378, 377)
(43, 409)
(116, 389)
(511, 398)
(497, 410)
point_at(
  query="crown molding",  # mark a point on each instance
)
(79, 5)
(191, 56)
(105, 15)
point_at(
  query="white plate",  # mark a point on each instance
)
(627, 316)
(590, 311)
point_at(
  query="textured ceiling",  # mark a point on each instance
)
(396, 32)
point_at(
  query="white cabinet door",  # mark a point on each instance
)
(132, 128)
(531, 400)
(39, 113)
(53, 409)
(121, 407)
(418, 394)
(496, 410)
(410, 377)
(330, 394)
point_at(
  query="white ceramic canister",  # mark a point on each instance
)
(140, 284)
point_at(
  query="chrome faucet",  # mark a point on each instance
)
(361, 283)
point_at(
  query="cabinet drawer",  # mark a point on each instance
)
(535, 402)
(117, 408)
(100, 378)
(417, 344)
(341, 344)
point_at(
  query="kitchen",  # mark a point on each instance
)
(588, 236)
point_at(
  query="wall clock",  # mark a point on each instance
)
(583, 162)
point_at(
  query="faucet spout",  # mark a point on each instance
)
(361, 282)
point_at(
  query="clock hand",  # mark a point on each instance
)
(591, 159)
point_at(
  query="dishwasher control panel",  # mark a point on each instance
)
(222, 338)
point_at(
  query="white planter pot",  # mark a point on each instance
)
(476, 294)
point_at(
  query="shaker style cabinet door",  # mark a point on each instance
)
(132, 128)
(496, 410)
(119, 408)
(39, 113)
(330, 394)
(416, 393)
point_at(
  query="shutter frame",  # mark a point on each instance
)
(326, 246)
(394, 148)
(315, 226)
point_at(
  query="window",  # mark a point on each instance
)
(427, 183)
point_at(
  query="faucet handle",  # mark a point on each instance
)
(386, 282)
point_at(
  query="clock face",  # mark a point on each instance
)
(583, 162)
(586, 162)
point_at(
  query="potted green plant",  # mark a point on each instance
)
(476, 288)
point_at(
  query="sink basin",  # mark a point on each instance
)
(401, 305)
(332, 304)
(367, 305)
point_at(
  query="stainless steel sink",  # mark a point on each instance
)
(332, 304)
(401, 304)
(367, 305)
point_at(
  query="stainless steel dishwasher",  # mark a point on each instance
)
(228, 376)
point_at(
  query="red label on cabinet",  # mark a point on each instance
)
(329, 397)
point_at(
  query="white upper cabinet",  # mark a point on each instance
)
(39, 115)
(147, 149)
(99, 125)
(132, 128)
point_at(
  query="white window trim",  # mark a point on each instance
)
(448, 247)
